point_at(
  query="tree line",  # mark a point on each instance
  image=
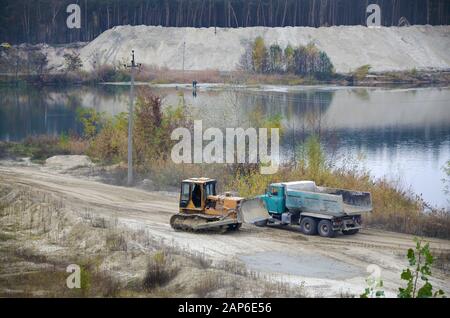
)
(305, 61)
(38, 21)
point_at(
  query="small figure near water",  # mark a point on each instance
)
(194, 88)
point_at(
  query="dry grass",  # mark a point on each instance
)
(209, 283)
(116, 241)
(441, 260)
(160, 271)
(201, 260)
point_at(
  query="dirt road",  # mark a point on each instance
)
(328, 267)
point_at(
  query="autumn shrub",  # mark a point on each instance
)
(152, 128)
(361, 72)
(91, 121)
(110, 144)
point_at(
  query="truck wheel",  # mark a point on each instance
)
(308, 226)
(350, 232)
(325, 229)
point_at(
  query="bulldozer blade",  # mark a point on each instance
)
(253, 211)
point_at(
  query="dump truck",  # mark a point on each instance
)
(314, 209)
(202, 209)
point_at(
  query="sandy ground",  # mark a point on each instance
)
(349, 47)
(328, 267)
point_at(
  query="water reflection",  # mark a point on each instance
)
(403, 133)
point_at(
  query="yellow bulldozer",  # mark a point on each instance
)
(202, 209)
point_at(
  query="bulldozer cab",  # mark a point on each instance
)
(194, 193)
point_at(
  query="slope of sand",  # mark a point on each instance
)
(385, 49)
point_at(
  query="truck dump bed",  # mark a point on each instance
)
(307, 197)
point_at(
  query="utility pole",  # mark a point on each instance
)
(132, 66)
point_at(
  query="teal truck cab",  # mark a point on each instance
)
(316, 209)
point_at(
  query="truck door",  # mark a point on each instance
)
(275, 202)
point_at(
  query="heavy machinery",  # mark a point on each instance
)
(315, 209)
(201, 209)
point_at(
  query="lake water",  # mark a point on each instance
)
(403, 134)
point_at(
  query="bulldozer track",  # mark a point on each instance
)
(188, 223)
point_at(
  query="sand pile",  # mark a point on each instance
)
(385, 49)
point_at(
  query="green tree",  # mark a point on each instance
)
(275, 59)
(289, 59)
(310, 61)
(300, 61)
(420, 261)
(259, 55)
(326, 68)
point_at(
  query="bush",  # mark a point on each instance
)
(116, 242)
(108, 73)
(207, 284)
(420, 261)
(159, 272)
(110, 145)
(42, 147)
(91, 121)
(361, 72)
(151, 132)
(72, 62)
